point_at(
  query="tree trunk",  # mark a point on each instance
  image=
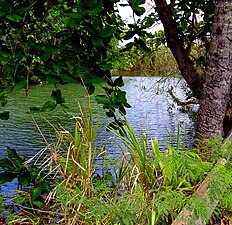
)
(186, 65)
(217, 85)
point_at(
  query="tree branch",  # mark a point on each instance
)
(182, 103)
(172, 4)
(186, 66)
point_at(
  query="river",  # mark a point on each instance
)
(152, 112)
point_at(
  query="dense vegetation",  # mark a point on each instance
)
(145, 186)
(65, 41)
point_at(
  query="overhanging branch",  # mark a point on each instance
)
(182, 103)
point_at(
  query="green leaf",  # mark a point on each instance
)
(184, 24)
(25, 179)
(35, 193)
(96, 80)
(143, 45)
(35, 109)
(118, 82)
(119, 96)
(57, 96)
(38, 204)
(127, 47)
(47, 186)
(129, 35)
(91, 89)
(127, 105)
(102, 99)
(75, 15)
(49, 106)
(5, 115)
(122, 110)
(97, 41)
(72, 22)
(22, 10)
(14, 157)
(139, 11)
(46, 56)
(64, 107)
(20, 199)
(14, 17)
(7, 177)
(7, 164)
(110, 114)
(3, 96)
(107, 32)
(67, 79)
(63, 33)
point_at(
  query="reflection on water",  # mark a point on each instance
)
(150, 114)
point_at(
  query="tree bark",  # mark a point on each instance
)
(217, 85)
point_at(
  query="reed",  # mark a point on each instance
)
(145, 186)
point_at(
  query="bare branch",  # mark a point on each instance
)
(179, 102)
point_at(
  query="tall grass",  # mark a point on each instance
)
(146, 186)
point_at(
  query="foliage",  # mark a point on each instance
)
(56, 42)
(27, 175)
(157, 62)
(146, 186)
(192, 19)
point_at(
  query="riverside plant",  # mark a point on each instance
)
(147, 186)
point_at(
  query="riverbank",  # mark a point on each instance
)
(143, 186)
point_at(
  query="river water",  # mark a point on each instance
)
(152, 112)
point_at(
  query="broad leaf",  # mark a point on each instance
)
(5, 115)
(110, 114)
(102, 99)
(57, 96)
(38, 204)
(107, 32)
(118, 82)
(75, 15)
(14, 157)
(6, 164)
(67, 79)
(47, 186)
(122, 110)
(35, 109)
(127, 47)
(35, 193)
(97, 41)
(129, 35)
(119, 96)
(25, 179)
(14, 17)
(49, 106)
(91, 89)
(6, 177)
(20, 200)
